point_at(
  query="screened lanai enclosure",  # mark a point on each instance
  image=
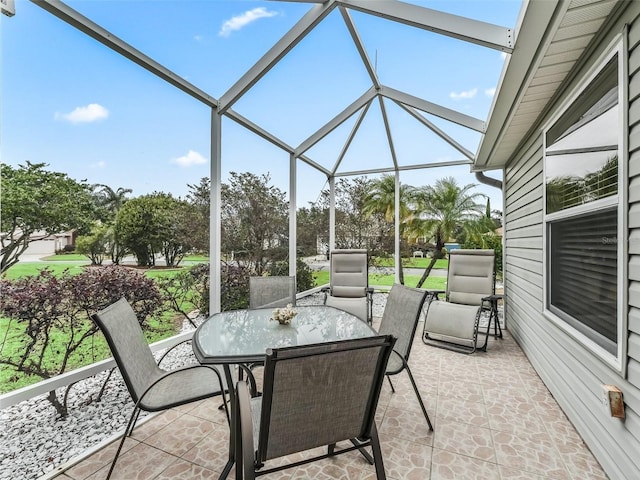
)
(329, 98)
(311, 93)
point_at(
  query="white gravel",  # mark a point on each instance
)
(34, 440)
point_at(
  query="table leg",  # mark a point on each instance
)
(493, 315)
(232, 426)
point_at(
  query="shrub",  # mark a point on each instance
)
(304, 274)
(234, 293)
(187, 288)
(56, 312)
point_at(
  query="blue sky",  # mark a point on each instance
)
(72, 103)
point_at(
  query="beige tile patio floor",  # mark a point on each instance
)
(493, 419)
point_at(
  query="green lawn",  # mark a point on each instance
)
(23, 269)
(432, 283)
(442, 263)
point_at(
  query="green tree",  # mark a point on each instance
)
(254, 221)
(94, 245)
(312, 225)
(36, 200)
(199, 197)
(109, 200)
(381, 199)
(354, 228)
(153, 224)
(441, 210)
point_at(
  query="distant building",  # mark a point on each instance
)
(43, 244)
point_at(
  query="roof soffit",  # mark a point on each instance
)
(545, 54)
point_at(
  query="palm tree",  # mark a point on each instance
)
(441, 210)
(111, 200)
(381, 199)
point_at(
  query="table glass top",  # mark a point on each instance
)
(244, 335)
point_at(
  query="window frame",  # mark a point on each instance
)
(619, 201)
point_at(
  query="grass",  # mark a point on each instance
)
(432, 283)
(24, 269)
(411, 262)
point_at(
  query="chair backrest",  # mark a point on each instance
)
(349, 273)
(272, 292)
(401, 315)
(120, 326)
(321, 394)
(470, 276)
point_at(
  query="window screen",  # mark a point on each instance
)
(583, 279)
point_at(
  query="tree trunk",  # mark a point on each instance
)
(437, 254)
(60, 407)
(427, 271)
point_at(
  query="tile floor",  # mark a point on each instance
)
(493, 419)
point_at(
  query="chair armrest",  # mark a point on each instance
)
(169, 350)
(244, 447)
(495, 297)
(435, 294)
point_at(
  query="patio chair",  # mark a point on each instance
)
(314, 396)
(349, 283)
(271, 292)
(151, 388)
(400, 319)
(453, 323)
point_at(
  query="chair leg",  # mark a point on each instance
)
(134, 422)
(362, 450)
(127, 432)
(377, 453)
(415, 389)
(391, 383)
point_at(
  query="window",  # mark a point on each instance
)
(582, 212)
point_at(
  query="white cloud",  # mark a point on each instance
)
(100, 164)
(244, 19)
(490, 92)
(464, 95)
(191, 158)
(91, 113)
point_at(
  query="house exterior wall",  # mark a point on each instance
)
(572, 372)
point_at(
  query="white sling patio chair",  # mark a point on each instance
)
(453, 323)
(151, 388)
(272, 291)
(349, 283)
(314, 396)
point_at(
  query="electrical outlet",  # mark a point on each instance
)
(612, 400)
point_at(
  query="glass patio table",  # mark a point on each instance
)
(242, 337)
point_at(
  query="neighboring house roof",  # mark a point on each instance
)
(552, 36)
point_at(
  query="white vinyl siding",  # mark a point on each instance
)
(573, 372)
